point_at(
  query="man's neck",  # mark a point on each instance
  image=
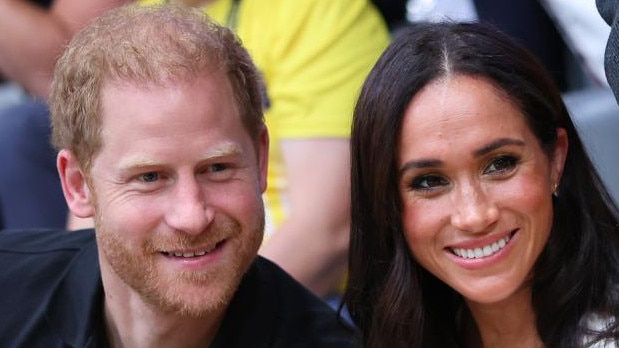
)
(132, 322)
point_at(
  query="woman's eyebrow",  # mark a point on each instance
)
(420, 164)
(436, 163)
(496, 145)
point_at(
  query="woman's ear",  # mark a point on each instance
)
(74, 185)
(559, 156)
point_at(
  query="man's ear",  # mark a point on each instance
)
(74, 185)
(263, 157)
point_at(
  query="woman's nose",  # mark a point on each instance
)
(474, 209)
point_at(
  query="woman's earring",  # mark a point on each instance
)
(555, 189)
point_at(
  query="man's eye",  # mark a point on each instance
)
(218, 167)
(428, 182)
(149, 177)
(501, 165)
(218, 171)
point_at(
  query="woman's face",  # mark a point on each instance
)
(475, 186)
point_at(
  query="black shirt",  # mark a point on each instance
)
(51, 296)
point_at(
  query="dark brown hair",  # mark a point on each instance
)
(393, 300)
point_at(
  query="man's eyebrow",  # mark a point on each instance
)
(139, 162)
(226, 149)
(496, 145)
(223, 150)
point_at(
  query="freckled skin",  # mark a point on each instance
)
(177, 172)
(476, 196)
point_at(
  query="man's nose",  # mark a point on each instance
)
(189, 210)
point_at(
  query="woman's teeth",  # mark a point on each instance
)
(485, 251)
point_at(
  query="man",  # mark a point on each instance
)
(157, 115)
(313, 56)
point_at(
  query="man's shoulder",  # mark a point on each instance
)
(306, 319)
(50, 280)
(29, 256)
(271, 309)
(34, 241)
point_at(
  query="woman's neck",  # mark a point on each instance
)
(510, 323)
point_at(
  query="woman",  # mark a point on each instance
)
(478, 219)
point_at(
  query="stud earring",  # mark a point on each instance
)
(555, 189)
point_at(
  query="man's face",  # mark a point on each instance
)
(176, 189)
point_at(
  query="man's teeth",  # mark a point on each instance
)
(189, 254)
(485, 251)
(200, 253)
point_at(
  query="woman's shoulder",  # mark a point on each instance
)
(597, 327)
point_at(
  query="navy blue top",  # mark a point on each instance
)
(609, 10)
(51, 296)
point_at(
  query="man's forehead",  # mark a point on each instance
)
(218, 151)
(215, 86)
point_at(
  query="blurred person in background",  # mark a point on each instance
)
(31, 38)
(609, 10)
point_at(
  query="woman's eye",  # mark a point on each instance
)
(501, 165)
(149, 177)
(428, 182)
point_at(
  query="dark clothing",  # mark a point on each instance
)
(528, 23)
(52, 296)
(30, 191)
(393, 11)
(609, 10)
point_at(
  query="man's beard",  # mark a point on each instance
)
(187, 293)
